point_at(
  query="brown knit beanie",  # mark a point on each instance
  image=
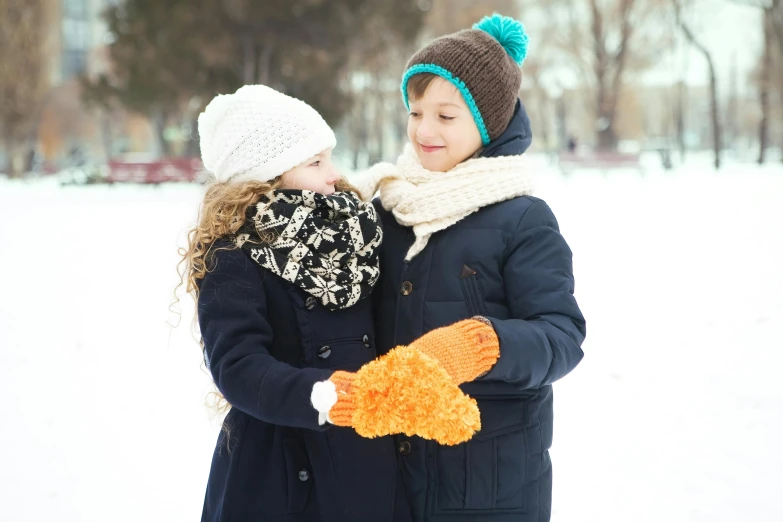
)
(483, 63)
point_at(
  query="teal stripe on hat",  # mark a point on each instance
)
(456, 82)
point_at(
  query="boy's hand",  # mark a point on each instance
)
(466, 350)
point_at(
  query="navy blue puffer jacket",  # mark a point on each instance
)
(509, 263)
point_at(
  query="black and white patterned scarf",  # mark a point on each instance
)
(327, 245)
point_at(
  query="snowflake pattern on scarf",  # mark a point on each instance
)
(326, 245)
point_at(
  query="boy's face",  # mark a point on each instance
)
(441, 127)
(318, 174)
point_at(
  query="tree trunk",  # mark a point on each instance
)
(356, 130)
(249, 59)
(776, 21)
(17, 159)
(764, 85)
(680, 119)
(604, 116)
(159, 120)
(265, 62)
(562, 123)
(716, 130)
(6, 149)
(730, 125)
(23, 79)
(606, 102)
(193, 145)
(607, 140)
(104, 123)
(544, 121)
(380, 116)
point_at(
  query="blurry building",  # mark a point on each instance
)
(77, 42)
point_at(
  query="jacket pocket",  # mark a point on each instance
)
(300, 476)
(488, 472)
(471, 289)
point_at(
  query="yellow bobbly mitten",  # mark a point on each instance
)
(405, 391)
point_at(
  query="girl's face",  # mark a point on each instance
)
(318, 174)
(441, 127)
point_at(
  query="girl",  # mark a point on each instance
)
(281, 290)
(281, 262)
(463, 238)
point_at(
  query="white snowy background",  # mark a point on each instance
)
(675, 414)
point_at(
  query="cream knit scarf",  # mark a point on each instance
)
(433, 201)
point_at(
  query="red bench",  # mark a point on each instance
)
(163, 171)
(601, 160)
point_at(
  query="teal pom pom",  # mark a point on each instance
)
(509, 32)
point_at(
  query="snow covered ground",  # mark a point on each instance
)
(672, 416)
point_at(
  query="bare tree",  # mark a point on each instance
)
(765, 84)
(375, 125)
(605, 42)
(23, 81)
(609, 67)
(537, 99)
(772, 20)
(773, 12)
(714, 110)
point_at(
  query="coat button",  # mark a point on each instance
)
(310, 303)
(324, 352)
(406, 288)
(366, 340)
(404, 448)
(304, 475)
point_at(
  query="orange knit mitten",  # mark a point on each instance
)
(467, 349)
(342, 412)
(405, 391)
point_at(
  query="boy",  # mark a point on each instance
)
(466, 244)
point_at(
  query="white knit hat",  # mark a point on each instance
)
(259, 133)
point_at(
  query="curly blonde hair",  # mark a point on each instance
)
(222, 214)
